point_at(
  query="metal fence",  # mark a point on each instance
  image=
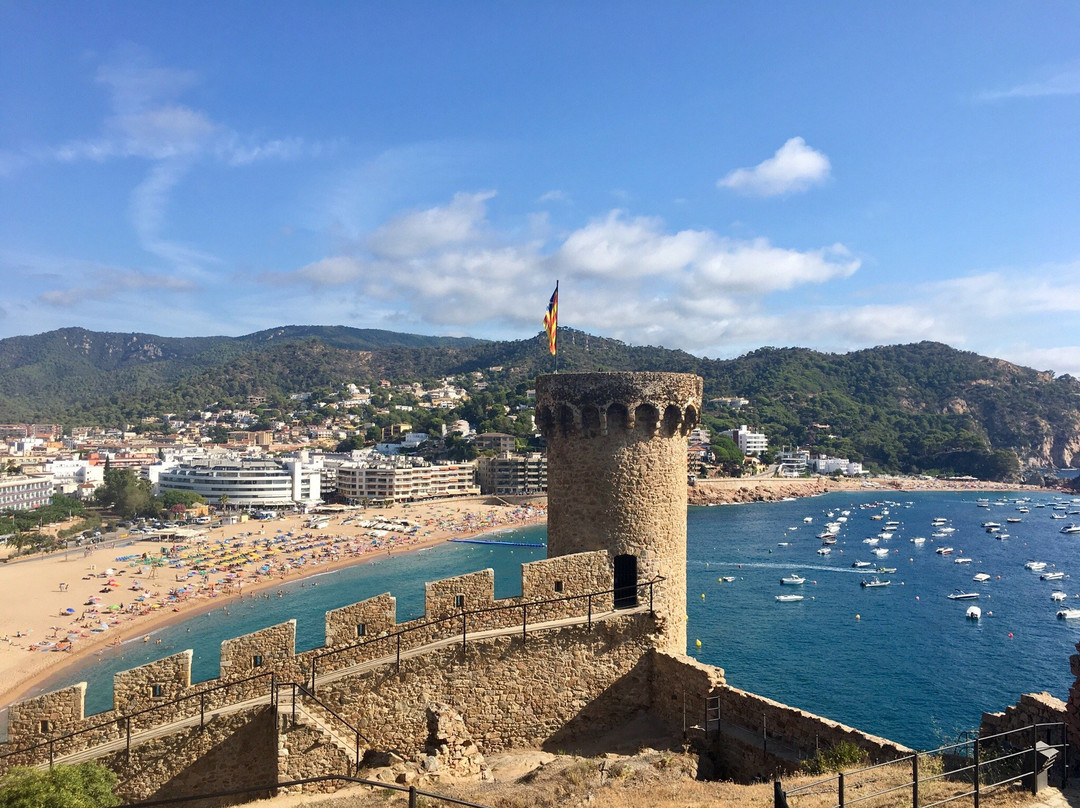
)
(1029, 757)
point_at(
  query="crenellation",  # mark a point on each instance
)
(264, 649)
(154, 683)
(371, 618)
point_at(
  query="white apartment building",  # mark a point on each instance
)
(749, 443)
(73, 475)
(831, 465)
(247, 482)
(404, 479)
(23, 492)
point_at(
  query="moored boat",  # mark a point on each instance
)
(960, 594)
(873, 583)
(788, 598)
(1069, 614)
(973, 613)
(793, 580)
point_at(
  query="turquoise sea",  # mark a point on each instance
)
(899, 661)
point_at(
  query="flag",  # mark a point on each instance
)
(551, 319)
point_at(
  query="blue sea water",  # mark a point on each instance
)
(900, 661)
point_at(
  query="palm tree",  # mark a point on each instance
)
(223, 501)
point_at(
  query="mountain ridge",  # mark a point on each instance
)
(899, 407)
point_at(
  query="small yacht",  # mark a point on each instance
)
(1051, 576)
(961, 560)
(861, 564)
(944, 551)
(973, 613)
(793, 580)
(919, 540)
(1035, 566)
(873, 583)
(960, 594)
(981, 577)
(1070, 530)
(1058, 596)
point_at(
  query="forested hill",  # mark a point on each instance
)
(906, 407)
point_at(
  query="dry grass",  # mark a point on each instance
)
(654, 779)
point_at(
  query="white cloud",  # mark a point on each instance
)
(417, 232)
(109, 282)
(1064, 359)
(1066, 82)
(554, 196)
(795, 167)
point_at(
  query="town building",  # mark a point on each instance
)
(494, 441)
(508, 473)
(246, 482)
(404, 479)
(24, 492)
(833, 465)
(793, 464)
(749, 443)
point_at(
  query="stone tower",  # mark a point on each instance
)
(617, 479)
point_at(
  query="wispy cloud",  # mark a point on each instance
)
(108, 282)
(794, 168)
(554, 196)
(1065, 82)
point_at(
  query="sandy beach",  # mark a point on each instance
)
(59, 608)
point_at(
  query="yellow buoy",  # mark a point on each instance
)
(703, 596)
(697, 643)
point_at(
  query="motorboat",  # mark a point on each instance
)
(882, 552)
(885, 534)
(829, 540)
(944, 551)
(1069, 614)
(1014, 520)
(1070, 530)
(807, 519)
(860, 565)
(960, 594)
(793, 580)
(981, 576)
(1035, 566)
(873, 583)
(1051, 576)
(990, 524)
(871, 540)
(1057, 516)
(1058, 596)
(727, 578)
(788, 598)
(962, 560)
(973, 613)
(919, 540)
(783, 544)
(886, 570)
(824, 550)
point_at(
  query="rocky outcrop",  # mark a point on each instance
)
(717, 492)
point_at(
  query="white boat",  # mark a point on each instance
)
(1070, 529)
(948, 530)
(885, 534)
(788, 598)
(938, 521)
(960, 594)
(990, 524)
(783, 544)
(861, 565)
(1014, 520)
(877, 516)
(882, 552)
(1057, 516)
(829, 540)
(827, 534)
(1069, 614)
(727, 578)
(1058, 596)
(973, 613)
(919, 540)
(886, 570)
(981, 576)
(944, 551)
(1035, 566)
(824, 550)
(871, 540)
(793, 580)
(961, 560)
(808, 519)
(873, 583)
(1051, 576)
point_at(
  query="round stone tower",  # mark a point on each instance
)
(617, 479)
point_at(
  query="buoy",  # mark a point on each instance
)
(1010, 635)
(703, 596)
(719, 580)
(697, 643)
(916, 597)
(858, 617)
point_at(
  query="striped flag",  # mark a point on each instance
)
(551, 319)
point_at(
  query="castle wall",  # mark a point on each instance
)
(50, 714)
(680, 687)
(617, 474)
(563, 683)
(233, 751)
(1032, 708)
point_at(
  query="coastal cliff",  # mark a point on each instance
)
(733, 490)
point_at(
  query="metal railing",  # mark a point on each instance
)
(981, 764)
(396, 638)
(413, 792)
(125, 721)
(299, 690)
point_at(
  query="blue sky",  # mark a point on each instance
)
(707, 176)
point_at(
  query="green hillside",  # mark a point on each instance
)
(909, 408)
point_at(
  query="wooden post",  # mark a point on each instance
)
(840, 790)
(915, 780)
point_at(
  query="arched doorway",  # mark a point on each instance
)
(625, 587)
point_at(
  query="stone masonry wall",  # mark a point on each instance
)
(805, 731)
(680, 687)
(377, 615)
(37, 719)
(154, 683)
(267, 648)
(233, 751)
(562, 684)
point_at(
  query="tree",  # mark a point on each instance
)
(125, 493)
(88, 785)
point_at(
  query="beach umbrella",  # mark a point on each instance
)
(69, 610)
(110, 571)
(103, 625)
